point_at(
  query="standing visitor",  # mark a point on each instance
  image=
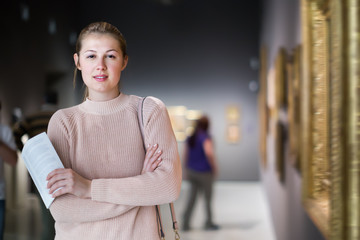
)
(201, 170)
(110, 184)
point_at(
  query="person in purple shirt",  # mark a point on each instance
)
(201, 169)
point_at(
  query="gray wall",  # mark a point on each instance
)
(192, 53)
(281, 28)
(32, 58)
(197, 54)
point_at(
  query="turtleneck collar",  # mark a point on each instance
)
(105, 107)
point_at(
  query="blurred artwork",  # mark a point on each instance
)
(233, 133)
(263, 107)
(183, 121)
(232, 124)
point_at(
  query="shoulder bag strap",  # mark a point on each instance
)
(141, 124)
(157, 207)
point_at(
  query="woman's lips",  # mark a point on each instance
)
(100, 78)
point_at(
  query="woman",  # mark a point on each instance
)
(201, 169)
(109, 186)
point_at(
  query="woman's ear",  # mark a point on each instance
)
(76, 60)
(125, 62)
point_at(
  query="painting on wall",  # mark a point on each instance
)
(232, 124)
(232, 133)
(263, 107)
(293, 105)
(191, 117)
(183, 121)
(278, 112)
(329, 113)
(178, 121)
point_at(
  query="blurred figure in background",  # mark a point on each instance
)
(201, 169)
(33, 125)
(37, 122)
(8, 155)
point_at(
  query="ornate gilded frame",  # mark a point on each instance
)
(280, 108)
(263, 108)
(330, 116)
(293, 105)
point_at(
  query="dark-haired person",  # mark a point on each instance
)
(201, 170)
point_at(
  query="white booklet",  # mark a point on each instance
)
(40, 159)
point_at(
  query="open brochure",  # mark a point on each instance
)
(40, 159)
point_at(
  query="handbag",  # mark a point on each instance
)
(157, 207)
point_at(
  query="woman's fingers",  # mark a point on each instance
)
(58, 185)
(57, 175)
(149, 154)
(59, 178)
(151, 150)
(59, 192)
(56, 172)
(152, 158)
(155, 164)
(62, 181)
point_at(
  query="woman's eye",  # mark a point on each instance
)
(111, 56)
(90, 56)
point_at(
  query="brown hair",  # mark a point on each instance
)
(202, 125)
(99, 28)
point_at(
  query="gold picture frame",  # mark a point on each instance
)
(279, 108)
(294, 105)
(233, 131)
(183, 121)
(263, 107)
(330, 110)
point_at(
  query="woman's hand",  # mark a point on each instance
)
(68, 181)
(152, 159)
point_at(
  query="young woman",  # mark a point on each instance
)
(201, 170)
(109, 186)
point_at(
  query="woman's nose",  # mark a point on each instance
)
(101, 64)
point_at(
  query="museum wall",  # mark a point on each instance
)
(201, 55)
(35, 57)
(197, 54)
(281, 28)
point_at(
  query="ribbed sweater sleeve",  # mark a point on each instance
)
(69, 208)
(101, 141)
(152, 188)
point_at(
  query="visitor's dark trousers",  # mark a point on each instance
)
(2, 218)
(199, 182)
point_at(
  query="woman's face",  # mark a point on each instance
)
(101, 62)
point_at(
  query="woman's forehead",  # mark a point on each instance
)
(95, 40)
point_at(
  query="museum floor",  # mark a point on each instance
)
(239, 208)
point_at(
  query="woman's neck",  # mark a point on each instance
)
(101, 97)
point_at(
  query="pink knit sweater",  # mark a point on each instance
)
(102, 141)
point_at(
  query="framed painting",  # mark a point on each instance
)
(330, 110)
(233, 131)
(263, 107)
(279, 109)
(183, 121)
(293, 105)
(178, 121)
